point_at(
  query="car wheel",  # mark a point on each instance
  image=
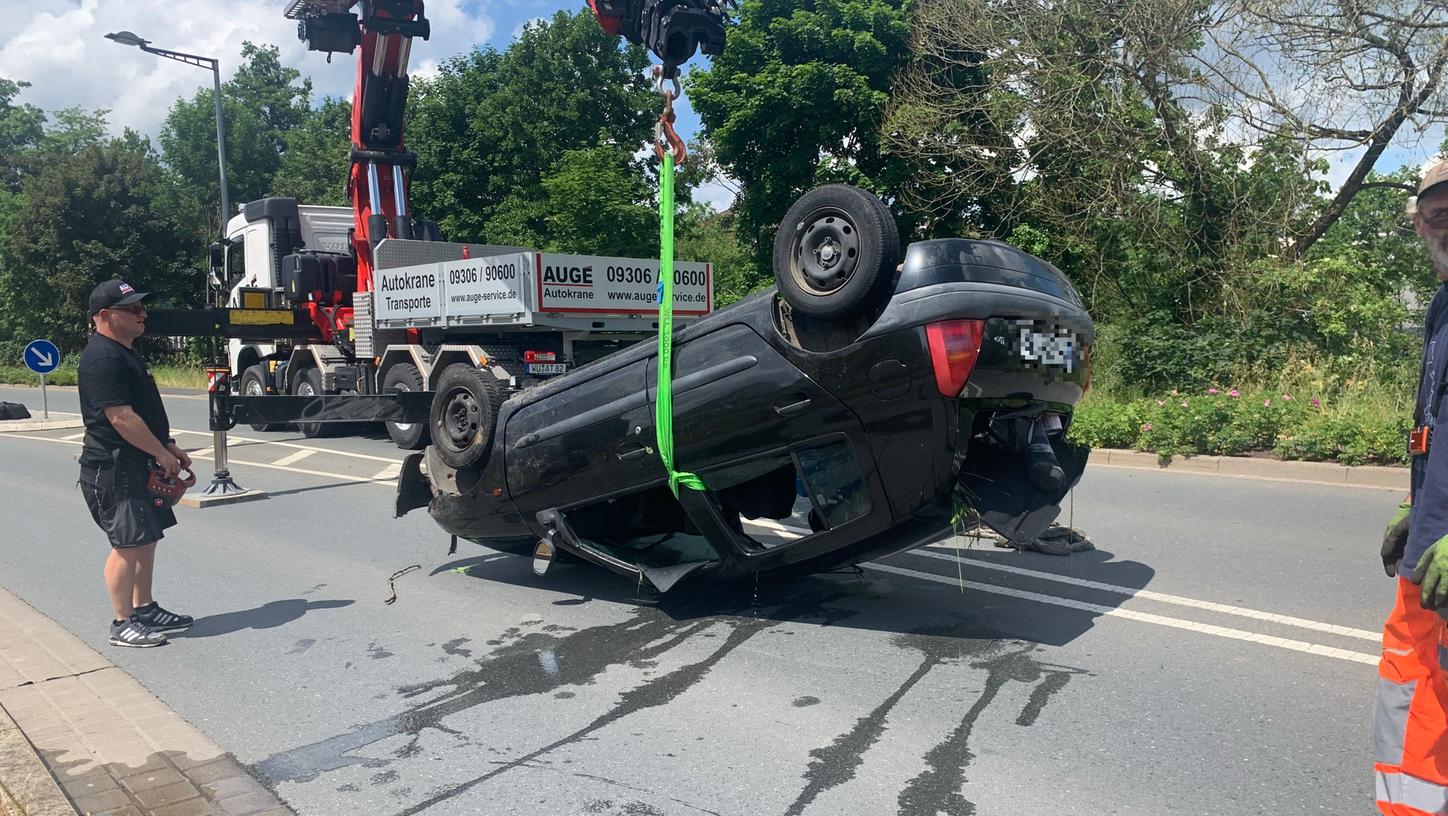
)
(406, 435)
(836, 252)
(464, 411)
(309, 384)
(253, 384)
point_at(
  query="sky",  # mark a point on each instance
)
(59, 47)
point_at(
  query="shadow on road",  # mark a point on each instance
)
(967, 600)
(267, 616)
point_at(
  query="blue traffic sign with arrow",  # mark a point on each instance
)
(42, 357)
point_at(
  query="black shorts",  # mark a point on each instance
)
(121, 505)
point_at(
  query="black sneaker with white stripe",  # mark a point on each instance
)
(162, 620)
(132, 632)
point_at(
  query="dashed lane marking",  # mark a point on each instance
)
(388, 473)
(333, 451)
(1141, 617)
(293, 458)
(1162, 597)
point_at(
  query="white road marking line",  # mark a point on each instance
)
(388, 473)
(80, 435)
(293, 458)
(332, 451)
(1271, 617)
(305, 472)
(1142, 617)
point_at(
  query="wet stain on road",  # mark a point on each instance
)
(805, 701)
(302, 645)
(377, 652)
(454, 647)
(937, 789)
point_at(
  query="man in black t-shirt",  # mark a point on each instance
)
(126, 431)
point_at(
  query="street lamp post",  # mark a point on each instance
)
(222, 486)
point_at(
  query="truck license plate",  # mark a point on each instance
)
(545, 368)
(1051, 347)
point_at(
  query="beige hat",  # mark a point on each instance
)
(1437, 173)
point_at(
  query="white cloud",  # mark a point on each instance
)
(59, 47)
(718, 196)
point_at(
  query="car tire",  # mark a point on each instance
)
(309, 384)
(253, 384)
(464, 414)
(406, 435)
(836, 252)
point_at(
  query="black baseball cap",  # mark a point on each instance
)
(113, 293)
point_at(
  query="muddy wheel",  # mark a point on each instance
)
(309, 384)
(406, 435)
(463, 414)
(253, 384)
(836, 252)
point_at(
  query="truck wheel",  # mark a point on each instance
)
(253, 384)
(406, 435)
(836, 251)
(463, 414)
(309, 384)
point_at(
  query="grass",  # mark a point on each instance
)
(167, 376)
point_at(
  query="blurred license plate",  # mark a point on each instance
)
(1046, 346)
(545, 368)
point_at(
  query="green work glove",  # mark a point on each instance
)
(1395, 539)
(1432, 575)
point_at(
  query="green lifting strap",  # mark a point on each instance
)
(664, 401)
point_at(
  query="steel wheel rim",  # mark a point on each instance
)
(825, 251)
(460, 418)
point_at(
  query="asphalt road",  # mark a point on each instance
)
(1214, 655)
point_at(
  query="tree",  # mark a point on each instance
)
(92, 209)
(21, 127)
(797, 98)
(598, 203)
(262, 102)
(314, 163)
(491, 126)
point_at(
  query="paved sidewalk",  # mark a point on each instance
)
(111, 745)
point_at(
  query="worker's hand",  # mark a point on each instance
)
(180, 454)
(169, 464)
(1395, 539)
(1432, 575)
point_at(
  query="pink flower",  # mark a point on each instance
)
(1146, 426)
(1287, 397)
(1233, 393)
(1212, 390)
(1184, 403)
(1266, 403)
(1174, 392)
(1159, 403)
(1316, 403)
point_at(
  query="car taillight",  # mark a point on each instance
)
(954, 347)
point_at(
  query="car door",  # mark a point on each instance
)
(582, 440)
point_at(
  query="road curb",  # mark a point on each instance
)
(1247, 467)
(59, 420)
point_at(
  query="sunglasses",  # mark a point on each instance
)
(131, 310)
(1437, 219)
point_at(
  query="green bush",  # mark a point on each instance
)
(1366, 425)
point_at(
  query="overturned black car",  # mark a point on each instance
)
(852, 412)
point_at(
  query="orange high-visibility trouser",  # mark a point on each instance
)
(1410, 720)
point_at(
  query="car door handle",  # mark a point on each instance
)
(636, 453)
(793, 408)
